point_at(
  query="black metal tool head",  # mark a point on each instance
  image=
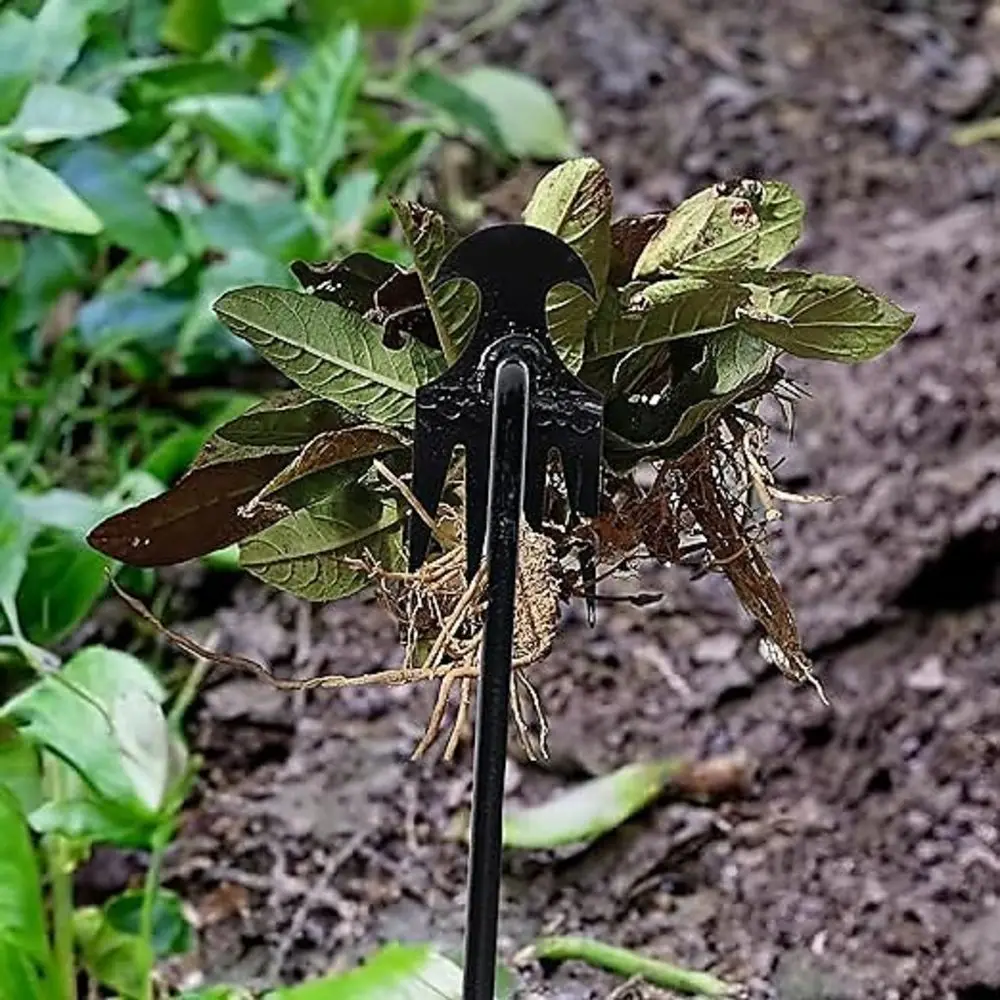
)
(514, 267)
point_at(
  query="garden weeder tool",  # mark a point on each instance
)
(509, 401)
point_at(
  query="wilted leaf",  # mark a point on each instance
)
(318, 102)
(285, 420)
(666, 310)
(829, 317)
(351, 282)
(454, 307)
(51, 111)
(463, 107)
(396, 972)
(573, 201)
(117, 193)
(34, 196)
(526, 114)
(331, 351)
(782, 214)
(707, 232)
(199, 514)
(589, 810)
(304, 554)
(629, 238)
(89, 696)
(307, 478)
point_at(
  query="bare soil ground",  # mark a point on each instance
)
(866, 863)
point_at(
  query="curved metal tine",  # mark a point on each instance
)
(581, 462)
(477, 485)
(536, 479)
(432, 453)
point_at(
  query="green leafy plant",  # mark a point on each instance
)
(685, 339)
(88, 756)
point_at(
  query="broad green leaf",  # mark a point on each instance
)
(589, 810)
(11, 259)
(119, 961)
(829, 317)
(465, 109)
(192, 26)
(246, 12)
(51, 111)
(16, 533)
(573, 201)
(95, 694)
(22, 922)
(630, 965)
(242, 125)
(86, 818)
(665, 310)
(172, 934)
(330, 351)
(34, 196)
(392, 15)
(526, 114)
(707, 232)
(52, 264)
(403, 154)
(131, 316)
(20, 769)
(280, 229)
(61, 28)
(21, 977)
(171, 79)
(782, 213)
(352, 201)
(454, 307)
(396, 972)
(305, 554)
(240, 268)
(285, 420)
(18, 61)
(312, 133)
(118, 195)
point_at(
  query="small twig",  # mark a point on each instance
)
(461, 718)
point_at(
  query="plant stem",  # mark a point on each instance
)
(61, 884)
(149, 890)
(629, 964)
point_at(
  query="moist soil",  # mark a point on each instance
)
(865, 861)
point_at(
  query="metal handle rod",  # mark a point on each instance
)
(506, 498)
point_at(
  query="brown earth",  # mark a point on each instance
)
(866, 862)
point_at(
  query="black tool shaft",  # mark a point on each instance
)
(506, 498)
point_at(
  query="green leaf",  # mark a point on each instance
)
(18, 61)
(32, 195)
(119, 961)
(829, 317)
(20, 770)
(454, 307)
(665, 310)
(118, 195)
(22, 922)
(171, 932)
(304, 554)
(331, 351)
(630, 965)
(16, 533)
(192, 26)
(105, 694)
(589, 810)
(61, 28)
(707, 232)
(51, 111)
(285, 420)
(52, 264)
(396, 972)
(464, 108)
(280, 229)
(21, 978)
(11, 259)
(526, 114)
(176, 78)
(573, 201)
(312, 133)
(243, 126)
(130, 316)
(86, 818)
(782, 214)
(247, 12)
(372, 15)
